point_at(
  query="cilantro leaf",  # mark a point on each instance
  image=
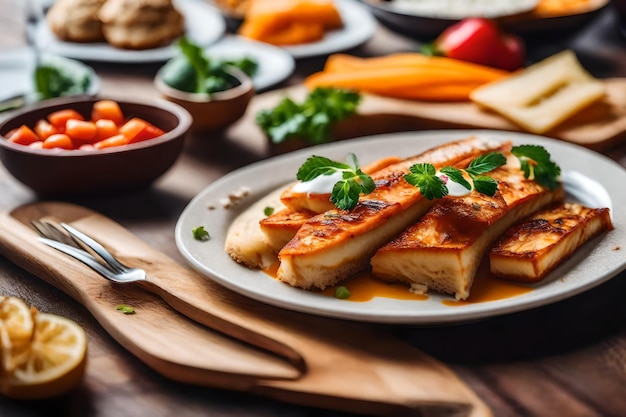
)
(342, 292)
(423, 176)
(485, 163)
(199, 233)
(311, 120)
(456, 175)
(345, 193)
(536, 163)
(431, 186)
(315, 166)
(194, 72)
(485, 185)
(55, 78)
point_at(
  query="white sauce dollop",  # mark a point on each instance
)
(454, 188)
(319, 185)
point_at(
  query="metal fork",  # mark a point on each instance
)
(76, 244)
(180, 294)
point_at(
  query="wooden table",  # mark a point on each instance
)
(565, 359)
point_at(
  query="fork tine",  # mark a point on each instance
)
(52, 230)
(96, 247)
(80, 255)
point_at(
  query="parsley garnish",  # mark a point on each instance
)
(535, 162)
(195, 72)
(125, 308)
(342, 293)
(268, 211)
(537, 165)
(431, 186)
(56, 78)
(311, 120)
(199, 233)
(346, 192)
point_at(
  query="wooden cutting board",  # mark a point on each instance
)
(599, 126)
(347, 366)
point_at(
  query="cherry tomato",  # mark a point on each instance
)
(481, 41)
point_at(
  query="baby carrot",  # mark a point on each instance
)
(23, 135)
(60, 117)
(81, 130)
(58, 140)
(107, 109)
(117, 140)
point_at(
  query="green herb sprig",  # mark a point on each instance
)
(424, 176)
(195, 72)
(200, 233)
(535, 162)
(346, 192)
(312, 120)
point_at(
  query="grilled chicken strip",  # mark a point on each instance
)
(280, 227)
(442, 251)
(319, 203)
(532, 248)
(333, 245)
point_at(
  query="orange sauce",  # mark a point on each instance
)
(364, 287)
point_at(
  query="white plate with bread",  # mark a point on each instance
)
(588, 177)
(128, 38)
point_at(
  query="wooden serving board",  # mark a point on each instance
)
(599, 126)
(347, 366)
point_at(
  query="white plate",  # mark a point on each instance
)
(275, 65)
(359, 26)
(589, 177)
(204, 25)
(17, 67)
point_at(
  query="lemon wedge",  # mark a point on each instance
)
(50, 363)
(16, 318)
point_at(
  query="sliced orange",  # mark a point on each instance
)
(50, 364)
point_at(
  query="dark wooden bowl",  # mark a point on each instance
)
(54, 172)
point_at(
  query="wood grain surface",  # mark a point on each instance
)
(565, 359)
(334, 364)
(599, 126)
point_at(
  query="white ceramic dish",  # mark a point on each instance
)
(589, 178)
(359, 26)
(204, 25)
(18, 65)
(275, 65)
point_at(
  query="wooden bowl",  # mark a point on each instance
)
(54, 172)
(215, 112)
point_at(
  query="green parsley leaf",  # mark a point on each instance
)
(268, 211)
(423, 176)
(315, 166)
(125, 308)
(200, 234)
(345, 193)
(194, 72)
(485, 163)
(456, 175)
(536, 163)
(431, 186)
(342, 293)
(485, 185)
(313, 119)
(56, 78)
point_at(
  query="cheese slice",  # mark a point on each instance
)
(544, 95)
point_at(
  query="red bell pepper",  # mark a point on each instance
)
(482, 41)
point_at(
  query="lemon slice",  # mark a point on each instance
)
(54, 362)
(16, 318)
